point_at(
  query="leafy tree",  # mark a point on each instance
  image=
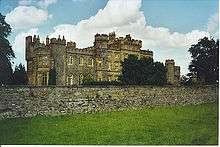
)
(142, 71)
(20, 75)
(205, 60)
(130, 70)
(52, 77)
(6, 52)
(159, 74)
(185, 80)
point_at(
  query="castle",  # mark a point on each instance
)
(100, 62)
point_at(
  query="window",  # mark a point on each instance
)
(90, 62)
(99, 76)
(44, 79)
(109, 78)
(70, 80)
(81, 78)
(99, 64)
(81, 61)
(117, 66)
(116, 56)
(43, 61)
(70, 60)
(109, 66)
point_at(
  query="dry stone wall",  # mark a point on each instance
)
(32, 101)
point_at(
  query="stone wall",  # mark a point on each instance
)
(32, 101)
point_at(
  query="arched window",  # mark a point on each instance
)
(81, 61)
(70, 60)
(81, 78)
(99, 76)
(44, 79)
(90, 62)
(70, 80)
(109, 66)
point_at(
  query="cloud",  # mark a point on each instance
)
(125, 17)
(23, 17)
(24, 2)
(213, 25)
(40, 3)
(46, 3)
(18, 45)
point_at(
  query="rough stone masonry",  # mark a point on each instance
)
(32, 101)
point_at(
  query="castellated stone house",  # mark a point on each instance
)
(100, 62)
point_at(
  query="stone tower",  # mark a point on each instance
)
(58, 53)
(172, 72)
(101, 47)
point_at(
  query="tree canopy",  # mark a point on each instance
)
(6, 52)
(142, 71)
(20, 75)
(205, 60)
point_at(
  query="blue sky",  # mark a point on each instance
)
(166, 27)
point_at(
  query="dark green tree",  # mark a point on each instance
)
(52, 77)
(130, 70)
(186, 80)
(205, 60)
(142, 71)
(159, 74)
(6, 53)
(20, 75)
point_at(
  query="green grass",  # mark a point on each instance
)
(160, 125)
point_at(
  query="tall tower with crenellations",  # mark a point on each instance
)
(172, 72)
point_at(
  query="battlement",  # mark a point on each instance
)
(101, 37)
(71, 44)
(169, 61)
(136, 42)
(88, 50)
(112, 36)
(177, 67)
(30, 41)
(39, 45)
(147, 52)
(58, 41)
(35, 41)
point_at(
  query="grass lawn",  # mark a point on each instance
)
(160, 125)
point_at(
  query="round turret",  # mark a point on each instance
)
(101, 41)
(47, 41)
(169, 63)
(112, 36)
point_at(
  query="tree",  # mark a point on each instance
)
(186, 80)
(130, 70)
(52, 77)
(20, 75)
(159, 74)
(205, 58)
(142, 71)
(6, 53)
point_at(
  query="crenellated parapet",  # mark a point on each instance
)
(71, 44)
(110, 41)
(146, 53)
(58, 41)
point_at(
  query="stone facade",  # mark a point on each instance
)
(32, 101)
(173, 72)
(100, 62)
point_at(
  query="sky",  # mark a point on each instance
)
(167, 27)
